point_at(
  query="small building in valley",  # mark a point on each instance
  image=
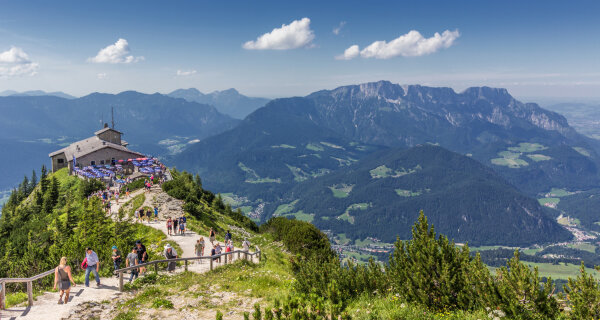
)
(105, 148)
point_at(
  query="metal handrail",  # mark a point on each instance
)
(29, 281)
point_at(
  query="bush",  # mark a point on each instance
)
(162, 303)
(299, 237)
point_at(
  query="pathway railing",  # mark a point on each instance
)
(29, 282)
(227, 256)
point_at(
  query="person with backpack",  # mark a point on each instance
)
(170, 253)
(91, 264)
(175, 221)
(246, 245)
(64, 279)
(184, 223)
(132, 260)
(142, 255)
(227, 236)
(117, 259)
(155, 213)
(181, 227)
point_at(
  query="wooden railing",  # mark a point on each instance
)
(29, 282)
(227, 256)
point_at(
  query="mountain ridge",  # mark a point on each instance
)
(228, 101)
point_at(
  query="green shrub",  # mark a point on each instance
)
(162, 303)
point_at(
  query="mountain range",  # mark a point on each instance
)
(36, 93)
(297, 142)
(229, 102)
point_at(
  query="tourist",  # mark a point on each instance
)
(200, 247)
(155, 213)
(149, 215)
(137, 215)
(218, 251)
(64, 279)
(92, 265)
(229, 248)
(142, 214)
(117, 197)
(246, 245)
(227, 236)
(212, 236)
(127, 192)
(116, 256)
(175, 222)
(142, 255)
(132, 260)
(169, 225)
(170, 253)
(181, 227)
(184, 223)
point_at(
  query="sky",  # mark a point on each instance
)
(545, 49)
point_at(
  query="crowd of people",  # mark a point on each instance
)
(177, 225)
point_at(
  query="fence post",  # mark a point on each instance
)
(186, 263)
(156, 268)
(3, 296)
(121, 281)
(238, 255)
(211, 264)
(30, 292)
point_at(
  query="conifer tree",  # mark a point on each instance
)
(584, 295)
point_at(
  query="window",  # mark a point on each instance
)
(93, 163)
(101, 161)
(60, 161)
(113, 161)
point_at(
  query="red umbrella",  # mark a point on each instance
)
(129, 160)
(121, 160)
(139, 159)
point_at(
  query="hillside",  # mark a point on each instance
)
(380, 195)
(33, 126)
(271, 150)
(229, 102)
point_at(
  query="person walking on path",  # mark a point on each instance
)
(142, 215)
(218, 251)
(229, 248)
(64, 279)
(199, 248)
(175, 221)
(93, 265)
(181, 227)
(142, 255)
(132, 260)
(184, 219)
(246, 245)
(169, 225)
(212, 235)
(170, 253)
(117, 258)
(227, 236)
(155, 213)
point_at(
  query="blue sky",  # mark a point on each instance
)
(533, 48)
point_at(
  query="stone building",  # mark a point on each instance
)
(105, 147)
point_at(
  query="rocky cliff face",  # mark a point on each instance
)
(382, 112)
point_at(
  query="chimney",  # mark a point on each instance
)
(106, 125)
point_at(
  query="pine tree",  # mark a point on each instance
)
(584, 295)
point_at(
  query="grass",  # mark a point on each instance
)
(538, 157)
(299, 175)
(407, 193)
(341, 191)
(314, 147)
(356, 206)
(285, 208)
(549, 202)
(346, 217)
(582, 151)
(233, 200)
(583, 246)
(242, 281)
(392, 307)
(300, 215)
(385, 172)
(528, 147)
(342, 239)
(246, 209)
(560, 271)
(284, 146)
(559, 193)
(510, 162)
(254, 177)
(568, 221)
(331, 145)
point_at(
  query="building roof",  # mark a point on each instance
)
(106, 129)
(89, 145)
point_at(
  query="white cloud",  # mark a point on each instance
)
(350, 53)
(102, 75)
(115, 53)
(292, 36)
(412, 44)
(338, 29)
(184, 73)
(15, 62)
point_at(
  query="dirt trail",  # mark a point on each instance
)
(45, 307)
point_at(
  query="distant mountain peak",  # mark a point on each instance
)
(36, 93)
(229, 101)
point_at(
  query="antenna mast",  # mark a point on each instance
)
(112, 116)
